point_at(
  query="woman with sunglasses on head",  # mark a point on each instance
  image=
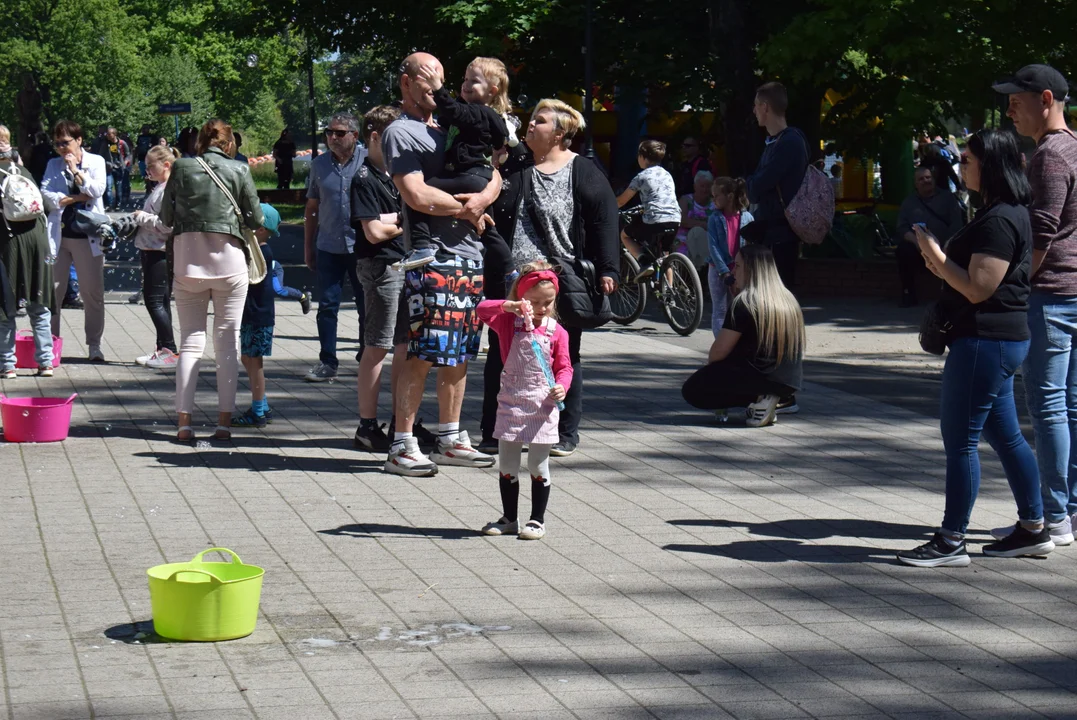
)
(985, 271)
(76, 180)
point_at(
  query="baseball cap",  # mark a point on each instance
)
(1035, 78)
(272, 219)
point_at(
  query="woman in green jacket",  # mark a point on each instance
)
(209, 263)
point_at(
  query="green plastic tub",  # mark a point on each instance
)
(205, 601)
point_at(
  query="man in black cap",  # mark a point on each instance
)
(1037, 107)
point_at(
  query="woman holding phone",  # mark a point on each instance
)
(985, 271)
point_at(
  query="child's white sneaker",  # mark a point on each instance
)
(533, 530)
(415, 259)
(501, 526)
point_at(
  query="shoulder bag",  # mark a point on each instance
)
(256, 262)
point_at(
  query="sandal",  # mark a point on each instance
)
(185, 429)
(533, 530)
(222, 433)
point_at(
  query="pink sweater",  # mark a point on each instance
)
(504, 324)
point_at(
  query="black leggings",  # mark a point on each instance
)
(158, 296)
(909, 261)
(729, 383)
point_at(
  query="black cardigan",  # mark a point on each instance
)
(594, 217)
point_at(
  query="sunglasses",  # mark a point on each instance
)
(337, 133)
(62, 143)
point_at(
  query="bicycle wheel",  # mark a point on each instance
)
(631, 297)
(681, 294)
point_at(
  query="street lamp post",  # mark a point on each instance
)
(310, 92)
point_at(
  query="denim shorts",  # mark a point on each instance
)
(442, 301)
(385, 325)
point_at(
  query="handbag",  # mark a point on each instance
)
(934, 329)
(256, 261)
(580, 300)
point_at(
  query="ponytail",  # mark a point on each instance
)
(736, 187)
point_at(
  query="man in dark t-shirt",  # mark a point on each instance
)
(375, 216)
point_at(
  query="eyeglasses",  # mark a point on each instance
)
(63, 143)
(338, 134)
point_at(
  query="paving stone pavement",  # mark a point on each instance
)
(691, 570)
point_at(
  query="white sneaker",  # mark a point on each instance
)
(461, 453)
(533, 530)
(501, 526)
(143, 359)
(1061, 532)
(95, 354)
(410, 461)
(163, 358)
(762, 412)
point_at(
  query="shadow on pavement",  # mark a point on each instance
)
(374, 530)
(136, 633)
(220, 458)
(789, 551)
(805, 529)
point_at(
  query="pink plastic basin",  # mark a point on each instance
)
(36, 419)
(24, 350)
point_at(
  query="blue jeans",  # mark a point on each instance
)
(977, 397)
(41, 322)
(113, 188)
(332, 269)
(1050, 374)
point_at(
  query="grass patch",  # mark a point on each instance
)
(290, 213)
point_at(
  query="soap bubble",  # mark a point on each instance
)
(366, 89)
(522, 100)
(252, 60)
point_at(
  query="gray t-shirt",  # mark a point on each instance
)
(412, 146)
(658, 195)
(552, 196)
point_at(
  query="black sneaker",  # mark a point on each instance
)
(563, 449)
(1022, 542)
(787, 406)
(74, 303)
(374, 439)
(937, 553)
(304, 302)
(488, 446)
(426, 438)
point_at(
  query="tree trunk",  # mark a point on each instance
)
(28, 104)
(733, 43)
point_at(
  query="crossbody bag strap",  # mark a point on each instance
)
(224, 189)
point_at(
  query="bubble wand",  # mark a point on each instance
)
(529, 327)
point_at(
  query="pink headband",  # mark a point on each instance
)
(531, 279)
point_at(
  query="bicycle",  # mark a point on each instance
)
(851, 245)
(678, 288)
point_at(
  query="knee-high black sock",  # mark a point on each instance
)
(540, 497)
(510, 496)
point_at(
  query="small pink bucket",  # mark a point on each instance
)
(24, 350)
(36, 419)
